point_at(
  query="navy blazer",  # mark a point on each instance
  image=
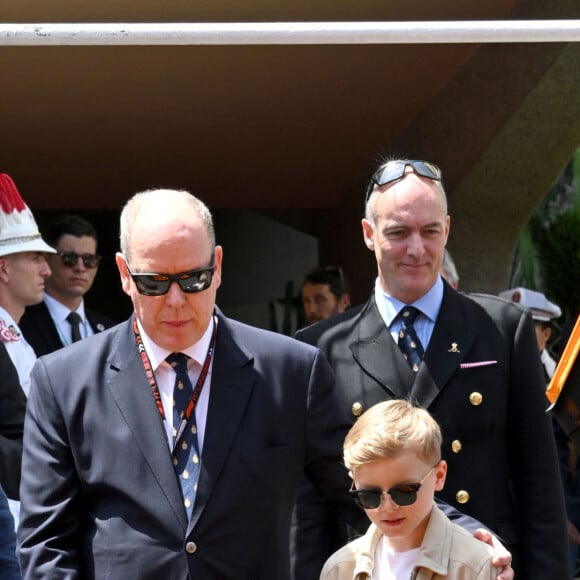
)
(40, 332)
(481, 380)
(100, 498)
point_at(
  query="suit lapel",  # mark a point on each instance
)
(96, 324)
(131, 392)
(231, 385)
(451, 340)
(378, 354)
(47, 328)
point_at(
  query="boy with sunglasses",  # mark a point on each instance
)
(393, 453)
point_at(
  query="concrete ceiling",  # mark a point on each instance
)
(259, 127)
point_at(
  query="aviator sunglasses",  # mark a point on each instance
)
(403, 494)
(70, 259)
(153, 284)
(394, 170)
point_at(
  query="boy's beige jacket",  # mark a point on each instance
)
(447, 551)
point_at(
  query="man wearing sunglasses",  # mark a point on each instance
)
(471, 360)
(124, 476)
(62, 317)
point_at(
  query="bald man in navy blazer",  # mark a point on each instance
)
(479, 376)
(100, 496)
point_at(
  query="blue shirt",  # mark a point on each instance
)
(429, 305)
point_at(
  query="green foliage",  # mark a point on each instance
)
(558, 250)
(548, 252)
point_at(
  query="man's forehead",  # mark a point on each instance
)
(315, 288)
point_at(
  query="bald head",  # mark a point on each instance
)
(157, 209)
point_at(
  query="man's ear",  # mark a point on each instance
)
(124, 272)
(368, 232)
(343, 302)
(440, 475)
(4, 276)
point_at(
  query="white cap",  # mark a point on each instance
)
(542, 309)
(18, 229)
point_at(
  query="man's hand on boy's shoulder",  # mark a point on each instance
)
(501, 558)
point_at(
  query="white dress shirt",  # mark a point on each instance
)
(165, 377)
(59, 312)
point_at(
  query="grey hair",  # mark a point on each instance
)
(133, 206)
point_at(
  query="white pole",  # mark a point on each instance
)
(292, 33)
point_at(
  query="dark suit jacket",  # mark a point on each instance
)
(12, 407)
(100, 498)
(497, 438)
(40, 332)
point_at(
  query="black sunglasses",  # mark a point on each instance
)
(394, 170)
(403, 495)
(152, 284)
(70, 259)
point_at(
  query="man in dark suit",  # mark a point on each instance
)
(471, 360)
(62, 317)
(115, 485)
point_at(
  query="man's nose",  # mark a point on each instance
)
(174, 296)
(415, 246)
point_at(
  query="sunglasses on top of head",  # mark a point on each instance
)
(394, 170)
(157, 284)
(70, 259)
(403, 494)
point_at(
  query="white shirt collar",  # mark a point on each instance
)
(59, 311)
(429, 304)
(157, 354)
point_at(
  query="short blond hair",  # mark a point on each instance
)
(389, 428)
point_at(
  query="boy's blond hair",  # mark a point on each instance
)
(389, 428)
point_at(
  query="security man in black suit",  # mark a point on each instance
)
(62, 317)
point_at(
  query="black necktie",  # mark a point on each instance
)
(409, 343)
(75, 320)
(186, 453)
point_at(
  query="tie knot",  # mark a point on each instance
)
(408, 315)
(74, 318)
(178, 361)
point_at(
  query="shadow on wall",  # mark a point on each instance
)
(264, 263)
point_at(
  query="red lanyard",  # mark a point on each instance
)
(153, 382)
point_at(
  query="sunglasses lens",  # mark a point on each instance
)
(390, 173)
(367, 499)
(189, 282)
(404, 495)
(426, 169)
(69, 258)
(151, 285)
(197, 281)
(91, 260)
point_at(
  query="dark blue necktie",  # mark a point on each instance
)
(186, 461)
(74, 319)
(409, 343)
